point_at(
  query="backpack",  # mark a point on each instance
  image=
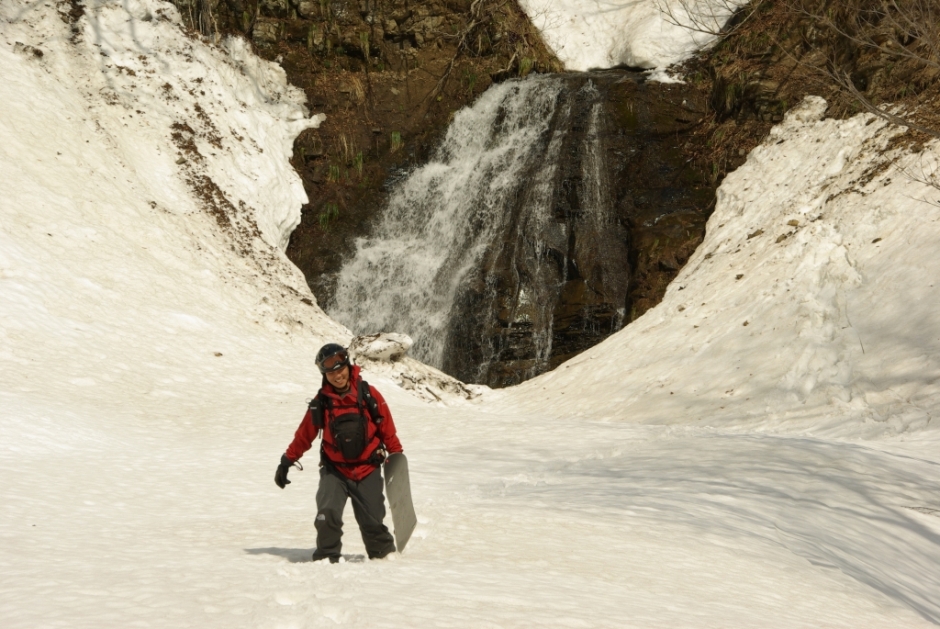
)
(348, 430)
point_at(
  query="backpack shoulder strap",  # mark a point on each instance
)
(365, 395)
(317, 406)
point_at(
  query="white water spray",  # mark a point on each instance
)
(440, 221)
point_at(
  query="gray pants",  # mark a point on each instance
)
(368, 506)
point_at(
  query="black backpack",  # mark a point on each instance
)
(349, 429)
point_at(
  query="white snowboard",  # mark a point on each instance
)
(398, 491)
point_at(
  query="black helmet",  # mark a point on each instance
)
(332, 357)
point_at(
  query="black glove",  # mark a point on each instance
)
(378, 457)
(280, 477)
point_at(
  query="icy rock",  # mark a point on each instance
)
(433, 385)
(811, 109)
(386, 355)
(386, 347)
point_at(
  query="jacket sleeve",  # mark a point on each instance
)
(304, 436)
(387, 432)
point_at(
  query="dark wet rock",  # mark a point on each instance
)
(542, 296)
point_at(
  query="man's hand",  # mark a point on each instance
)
(378, 457)
(280, 477)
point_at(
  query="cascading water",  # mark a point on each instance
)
(440, 221)
(509, 251)
(542, 278)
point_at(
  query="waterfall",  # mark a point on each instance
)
(475, 249)
(440, 220)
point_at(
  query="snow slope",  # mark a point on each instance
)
(155, 357)
(590, 34)
(810, 305)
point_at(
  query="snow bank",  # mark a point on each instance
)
(227, 114)
(588, 34)
(146, 195)
(810, 305)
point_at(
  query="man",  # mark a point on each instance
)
(358, 434)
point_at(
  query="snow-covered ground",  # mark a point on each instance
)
(692, 471)
(654, 34)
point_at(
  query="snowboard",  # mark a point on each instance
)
(398, 491)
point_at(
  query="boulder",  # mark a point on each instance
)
(308, 9)
(385, 347)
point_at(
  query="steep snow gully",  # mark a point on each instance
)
(758, 450)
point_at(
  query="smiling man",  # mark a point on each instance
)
(358, 434)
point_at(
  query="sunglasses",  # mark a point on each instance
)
(334, 362)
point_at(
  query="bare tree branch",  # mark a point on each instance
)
(709, 17)
(200, 16)
(476, 19)
(929, 179)
(905, 31)
(845, 82)
(915, 21)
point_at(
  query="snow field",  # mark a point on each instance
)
(653, 34)
(154, 364)
(164, 521)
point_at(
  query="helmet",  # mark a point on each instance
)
(332, 357)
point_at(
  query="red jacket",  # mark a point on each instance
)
(383, 433)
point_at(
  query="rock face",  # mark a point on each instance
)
(627, 211)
